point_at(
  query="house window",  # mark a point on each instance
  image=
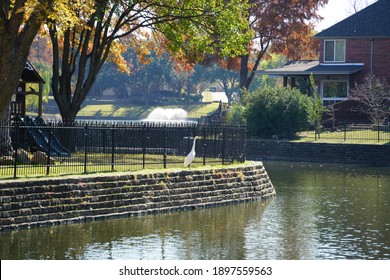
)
(334, 50)
(334, 91)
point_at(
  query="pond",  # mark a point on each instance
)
(321, 211)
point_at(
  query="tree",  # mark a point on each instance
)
(226, 79)
(198, 79)
(315, 107)
(283, 25)
(357, 5)
(274, 60)
(20, 21)
(177, 77)
(80, 51)
(374, 94)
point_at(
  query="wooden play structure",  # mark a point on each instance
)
(29, 78)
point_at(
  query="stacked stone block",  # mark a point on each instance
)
(53, 201)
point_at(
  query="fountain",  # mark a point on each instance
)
(167, 115)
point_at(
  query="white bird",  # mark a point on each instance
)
(191, 155)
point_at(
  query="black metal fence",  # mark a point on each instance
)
(52, 148)
(357, 132)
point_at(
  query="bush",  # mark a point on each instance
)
(236, 114)
(276, 111)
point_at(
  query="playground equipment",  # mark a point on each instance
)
(40, 137)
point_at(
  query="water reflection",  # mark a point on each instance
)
(206, 234)
(334, 211)
(320, 212)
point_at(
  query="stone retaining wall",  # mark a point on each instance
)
(318, 152)
(53, 201)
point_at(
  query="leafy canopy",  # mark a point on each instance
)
(20, 21)
(221, 29)
(189, 29)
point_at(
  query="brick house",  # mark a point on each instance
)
(349, 51)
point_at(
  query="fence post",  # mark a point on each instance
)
(49, 150)
(243, 136)
(143, 145)
(378, 132)
(204, 145)
(16, 127)
(104, 132)
(113, 148)
(223, 144)
(165, 146)
(85, 147)
(345, 133)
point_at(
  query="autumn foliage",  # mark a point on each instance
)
(282, 26)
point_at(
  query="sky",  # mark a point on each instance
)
(335, 11)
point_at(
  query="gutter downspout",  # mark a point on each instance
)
(371, 57)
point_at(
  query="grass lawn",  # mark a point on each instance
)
(98, 163)
(142, 111)
(348, 137)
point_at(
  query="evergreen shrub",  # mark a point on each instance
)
(276, 111)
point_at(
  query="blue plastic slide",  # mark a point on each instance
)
(40, 135)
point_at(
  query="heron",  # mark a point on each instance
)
(191, 155)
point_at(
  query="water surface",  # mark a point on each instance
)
(320, 212)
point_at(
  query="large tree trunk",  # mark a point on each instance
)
(246, 76)
(244, 73)
(11, 68)
(14, 51)
(6, 148)
(17, 31)
(74, 70)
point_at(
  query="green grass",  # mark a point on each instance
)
(196, 111)
(349, 137)
(98, 163)
(142, 111)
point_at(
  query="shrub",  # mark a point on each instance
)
(236, 114)
(315, 108)
(276, 111)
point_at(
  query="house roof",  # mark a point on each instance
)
(373, 21)
(307, 67)
(29, 74)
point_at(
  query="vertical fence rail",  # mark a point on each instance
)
(223, 145)
(112, 148)
(85, 147)
(204, 145)
(16, 147)
(378, 129)
(356, 132)
(48, 154)
(143, 145)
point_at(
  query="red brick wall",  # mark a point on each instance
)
(359, 51)
(382, 58)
